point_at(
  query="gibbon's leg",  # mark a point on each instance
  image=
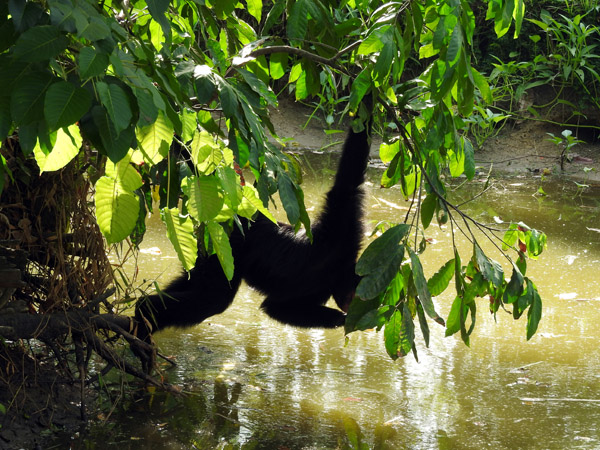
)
(302, 312)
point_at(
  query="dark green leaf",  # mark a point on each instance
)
(534, 314)
(362, 315)
(376, 256)
(490, 269)
(428, 209)
(440, 280)
(422, 289)
(27, 100)
(65, 104)
(376, 281)
(273, 16)
(288, 197)
(229, 100)
(297, 22)
(514, 289)
(40, 43)
(407, 332)
(91, 62)
(115, 100)
(423, 324)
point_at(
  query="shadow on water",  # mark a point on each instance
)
(255, 384)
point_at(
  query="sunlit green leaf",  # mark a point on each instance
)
(155, 139)
(222, 247)
(205, 197)
(180, 231)
(392, 335)
(255, 9)
(116, 209)
(66, 147)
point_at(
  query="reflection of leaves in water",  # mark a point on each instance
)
(226, 411)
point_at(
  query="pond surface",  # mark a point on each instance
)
(256, 384)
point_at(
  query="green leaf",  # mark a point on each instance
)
(258, 86)
(428, 209)
(205, 197)
(157, 9)
(278, 65)
(373, 42)
(441, 279)
(40, 43)
(116, 209)
(362, 315)
(115, 101)
(255, 8)
(229, 100)
(469, 158)
(91, 62)
(222, 247)
(67, 145)
(376, 256)
(392, 334)
(273, 17)
(387, 152)
(65, 104)
(534, 314)
(94, 30)
(483, 86)
(407, 332)
(154, 140)
(27, 100)
(510, 237)
(455, 45)
(124, 173)
(301, 87)
(515, 287)
(490, 269)
(454, 317)
(297, 22)
(252, 203)
(422, 289)
(287, 194)
(379, 263)
(374, 283)
(360, 87)
(423, 324)
(116, 145)
(180, 231)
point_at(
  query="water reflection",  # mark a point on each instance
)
(257, 384)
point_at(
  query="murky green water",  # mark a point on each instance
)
(254, 383)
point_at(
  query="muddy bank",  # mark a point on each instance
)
(520, 148)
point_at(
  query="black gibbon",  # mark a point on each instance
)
(296, 276)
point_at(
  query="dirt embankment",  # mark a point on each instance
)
(522, 147)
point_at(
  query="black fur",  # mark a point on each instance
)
(297, 276)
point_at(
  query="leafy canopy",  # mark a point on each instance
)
(129, 80)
